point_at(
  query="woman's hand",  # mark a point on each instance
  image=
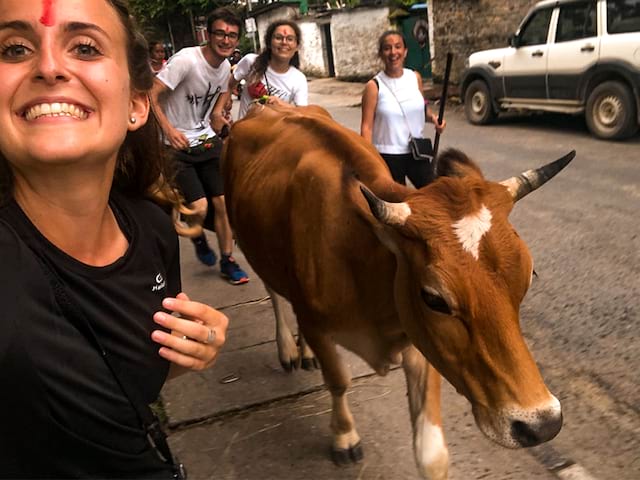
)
(273, 100)
(196, 336)
(439, 126)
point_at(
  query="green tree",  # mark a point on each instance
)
(162, 18)
(149, 10)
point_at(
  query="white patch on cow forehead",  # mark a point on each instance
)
(471, 229)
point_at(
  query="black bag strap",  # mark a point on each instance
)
(155, 434)
(266, 80)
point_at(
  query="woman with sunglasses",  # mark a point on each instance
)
(273, 74)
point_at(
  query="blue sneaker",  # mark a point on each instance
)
(230, 270)
(203, 251)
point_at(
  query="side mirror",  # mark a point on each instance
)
(514, 41)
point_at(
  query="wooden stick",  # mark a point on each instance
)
(443, 103)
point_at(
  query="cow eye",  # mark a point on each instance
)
(435, 302)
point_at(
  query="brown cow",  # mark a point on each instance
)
(381, 269)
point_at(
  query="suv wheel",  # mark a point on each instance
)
(611, 111)
(477, 103)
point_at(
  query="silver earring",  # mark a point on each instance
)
(133, 120)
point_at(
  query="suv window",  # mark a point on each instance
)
(535, 31)
(623, 16)
(576, 20)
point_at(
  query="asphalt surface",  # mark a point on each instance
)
(247, 419)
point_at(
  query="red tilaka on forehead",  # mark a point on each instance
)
(47, 13)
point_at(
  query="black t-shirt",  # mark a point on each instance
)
(62, 414)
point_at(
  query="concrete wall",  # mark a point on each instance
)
(355, 35)
(466, 26)
(313, 55)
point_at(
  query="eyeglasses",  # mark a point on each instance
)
(221, 34)
(287, 39)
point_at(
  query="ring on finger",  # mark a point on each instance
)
(211, 336)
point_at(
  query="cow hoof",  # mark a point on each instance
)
(340, 456)
(345, 456)
(356, 453)
(310, 363)
(289, 366)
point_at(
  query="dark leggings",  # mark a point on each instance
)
(419, 172)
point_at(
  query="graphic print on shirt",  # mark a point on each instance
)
(206, 100)
(160, 283)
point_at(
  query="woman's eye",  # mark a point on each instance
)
(87, 50)
(435, 302)
(15, 52)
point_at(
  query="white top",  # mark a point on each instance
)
(290, 86)
(195, 86)
(390, 129)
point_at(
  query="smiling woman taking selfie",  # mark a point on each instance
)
(90, 266)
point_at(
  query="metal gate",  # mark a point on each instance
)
(415, 29)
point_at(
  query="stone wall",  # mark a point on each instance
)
(355, 35)
(466, 26)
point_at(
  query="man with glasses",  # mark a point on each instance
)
(188, 101)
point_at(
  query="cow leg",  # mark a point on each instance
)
(346, 446)
(423, 389)
(287, 348)
(309, 361)
(291, 355)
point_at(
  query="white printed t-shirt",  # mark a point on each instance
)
(290, 86)
(195, 86)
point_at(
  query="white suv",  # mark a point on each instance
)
(569, 56)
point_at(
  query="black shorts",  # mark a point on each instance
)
(402, 165)
(199, 176)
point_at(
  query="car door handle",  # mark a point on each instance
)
(537, 53)
(588, 48)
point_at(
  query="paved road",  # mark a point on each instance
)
(246, 419)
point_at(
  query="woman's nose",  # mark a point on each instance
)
(50, 64)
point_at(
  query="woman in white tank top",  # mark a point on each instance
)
(383, 122)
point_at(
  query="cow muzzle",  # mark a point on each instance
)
(517, 428)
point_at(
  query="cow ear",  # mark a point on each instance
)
(392, 214)
(454, 163)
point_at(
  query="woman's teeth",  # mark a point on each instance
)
(55, 110)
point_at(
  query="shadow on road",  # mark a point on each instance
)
(552, 122)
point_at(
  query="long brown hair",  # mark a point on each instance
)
(261, 63)
(142, 168)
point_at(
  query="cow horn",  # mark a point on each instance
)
(394, 214)
(530, 180)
